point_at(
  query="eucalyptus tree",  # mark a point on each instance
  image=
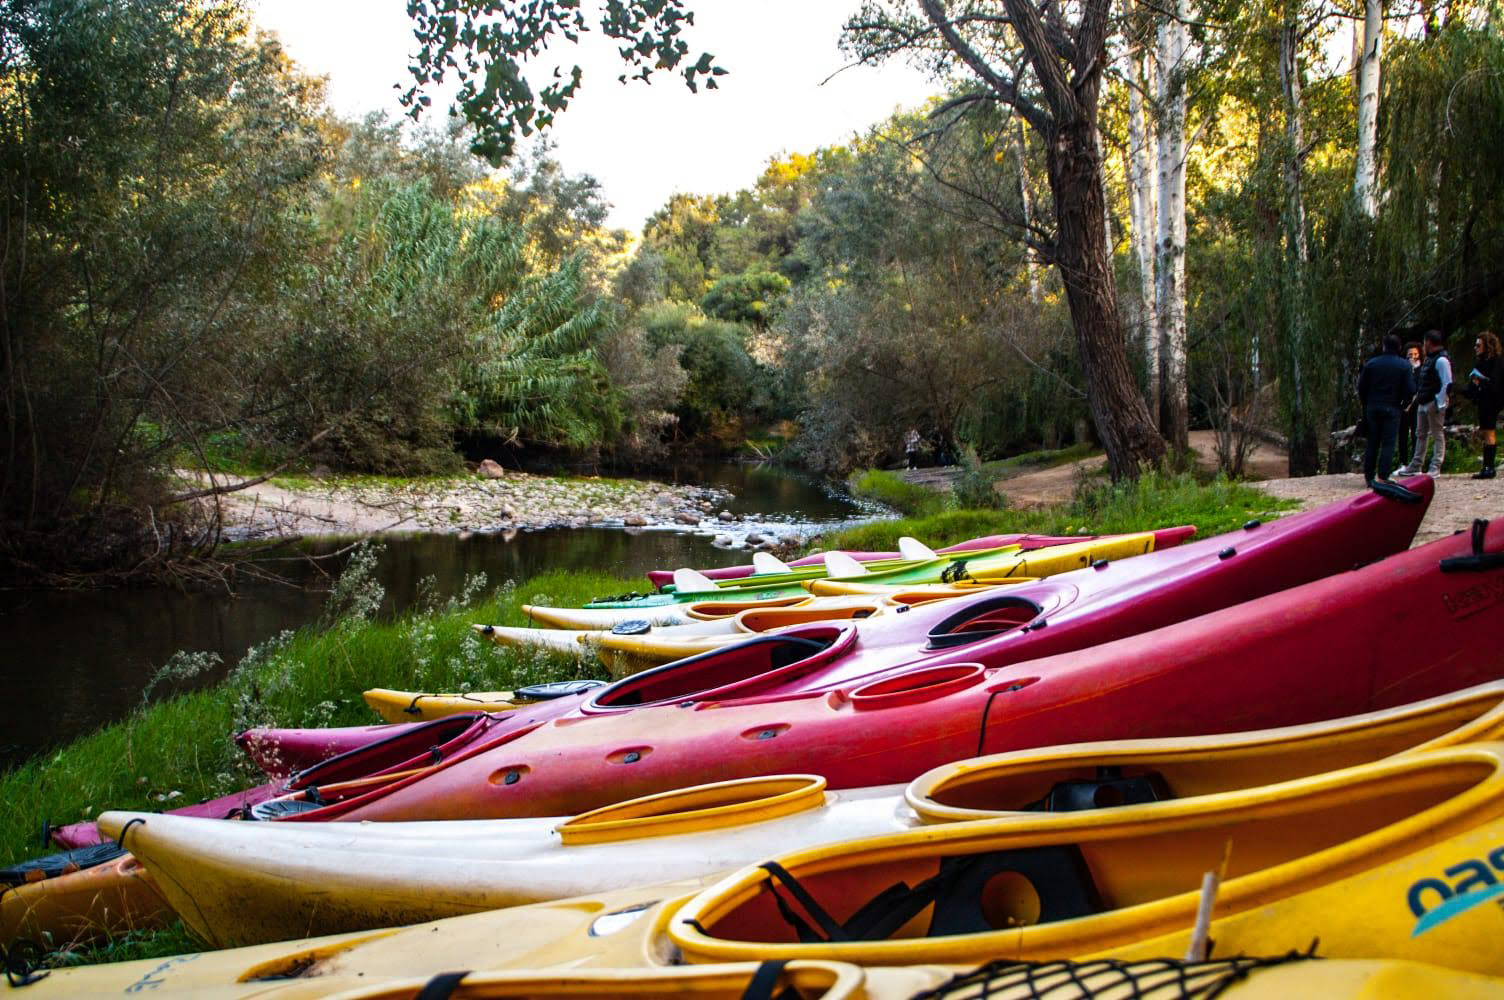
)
(1045, 62)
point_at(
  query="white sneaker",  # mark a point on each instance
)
(1406, 471)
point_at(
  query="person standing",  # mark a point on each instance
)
(1385, 384)
(1433, 380)
(1406, 441)
(1487, 390)
(911, 442)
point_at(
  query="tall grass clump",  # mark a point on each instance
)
(179, 750)
(892, 490)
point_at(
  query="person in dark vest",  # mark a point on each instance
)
(1406, 441)
(1385, 385)
(1433, 383)
(1486, 389)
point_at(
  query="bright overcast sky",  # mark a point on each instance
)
(642, 141)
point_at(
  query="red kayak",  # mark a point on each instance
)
(1318, 651)
(1067, 612)
(662, 577)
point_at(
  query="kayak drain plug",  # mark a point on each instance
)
(1099, 564)
(512, 778)
(1250, 525)
(1227, 553)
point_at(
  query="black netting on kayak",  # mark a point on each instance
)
(1154, 979)
(61, 863)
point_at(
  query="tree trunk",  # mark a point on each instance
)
(1304, 451)
(1170, 249)
(1143, 206)
(1365, 177)
(1118, 411)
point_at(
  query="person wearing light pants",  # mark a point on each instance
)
(1434, 379)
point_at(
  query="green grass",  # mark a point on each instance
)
(892, 490)
(1045, 458)
(309, 678)
(1154, 501)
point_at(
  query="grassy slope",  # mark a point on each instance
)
(309, 678)
(1156, 501)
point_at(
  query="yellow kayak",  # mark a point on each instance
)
(241, 883)
(412, 706)
(1385, 860)
(319, 972)
(1392, 860)
(1034, 563)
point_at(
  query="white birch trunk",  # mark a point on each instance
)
(1302, 442)
(1170, 241)
(1143, 207)
(1107, 243)
(1027, 201)
(1365, 177)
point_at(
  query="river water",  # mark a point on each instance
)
(73, 661)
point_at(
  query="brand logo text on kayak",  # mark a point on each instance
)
(1467, 884)
(1474, 599)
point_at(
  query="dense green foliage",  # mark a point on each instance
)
(204, 269)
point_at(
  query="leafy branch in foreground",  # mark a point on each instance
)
(487, 43)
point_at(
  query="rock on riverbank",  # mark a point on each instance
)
(287, 507)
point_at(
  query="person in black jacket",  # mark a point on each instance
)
(1385, 385)
(1486, 389)
(1406, 442)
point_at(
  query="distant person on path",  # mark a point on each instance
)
(1406, 443)
(1385, 385)
(1486, 389)
(1433, 380)
(911, 442)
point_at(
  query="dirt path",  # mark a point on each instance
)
(1459, 499)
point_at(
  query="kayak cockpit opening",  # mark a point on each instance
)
(985, 619)
(423, 743)
(973, 792)
(701, 807)
(722, 672)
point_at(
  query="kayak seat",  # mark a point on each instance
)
(983, 619)
(1110, 789)
(274, 809)
(557, 689)
(61, 863)
(961, 892)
